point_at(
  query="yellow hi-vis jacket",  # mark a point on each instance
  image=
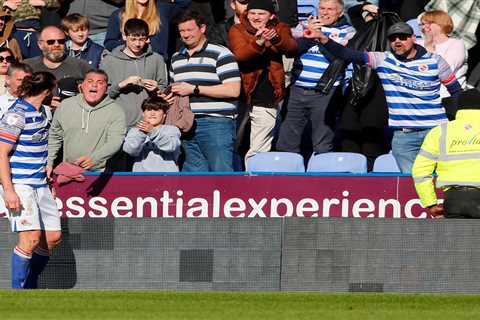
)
(452, 150)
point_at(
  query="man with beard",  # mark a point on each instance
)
(90, 126)
(54, 60)
(411, 79)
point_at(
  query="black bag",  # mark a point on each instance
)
(373, 38)
(330, 75)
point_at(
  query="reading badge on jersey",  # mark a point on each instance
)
(14, 120)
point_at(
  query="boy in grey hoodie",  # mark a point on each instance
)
(134, 71)
(90, 126)
(154, 144)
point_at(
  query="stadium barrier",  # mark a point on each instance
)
(240, 196)
(272, 254)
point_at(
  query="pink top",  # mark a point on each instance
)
(454, 52)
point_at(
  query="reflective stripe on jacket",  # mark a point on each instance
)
(452, 150)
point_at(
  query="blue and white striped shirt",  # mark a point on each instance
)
(309, 68)
(26, 128)
(412, 88)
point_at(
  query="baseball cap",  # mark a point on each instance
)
(399, 28)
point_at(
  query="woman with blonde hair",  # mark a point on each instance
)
(436, 27)
(140, 9)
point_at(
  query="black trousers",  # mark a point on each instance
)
(462, 202)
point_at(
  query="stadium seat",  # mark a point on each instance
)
(276, 162)
(385, 163)
(307, 8)
(338, 162)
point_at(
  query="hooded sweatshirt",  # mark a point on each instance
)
(156, 151)
(82, 130)
(119, 66)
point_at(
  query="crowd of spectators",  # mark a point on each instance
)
(236, 86)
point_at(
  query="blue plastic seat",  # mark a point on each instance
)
(338, 162)
(385, 163)
(276, 162)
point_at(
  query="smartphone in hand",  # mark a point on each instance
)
(167, 90)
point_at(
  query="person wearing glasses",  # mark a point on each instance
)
(29, 16)
(54, 59)
(134, 73)
(6, 59)
(52, 43)
(411, 78)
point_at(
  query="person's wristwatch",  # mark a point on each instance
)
(196, 90)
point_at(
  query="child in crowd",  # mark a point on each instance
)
(80, 46)
(155, 145)
(134, 70)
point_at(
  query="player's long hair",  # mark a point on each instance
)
(36, 83)
(150, 15)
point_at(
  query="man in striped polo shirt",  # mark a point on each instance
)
(306, 101)
(29, 203)
(209, 75)
(411, 79)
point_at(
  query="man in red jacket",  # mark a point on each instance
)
(258, 43)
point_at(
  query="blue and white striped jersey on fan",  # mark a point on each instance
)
(212, 65)
(27, 129)
(309, 68)
(412, 88)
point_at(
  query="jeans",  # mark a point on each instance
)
(209, 145)
(405, 147)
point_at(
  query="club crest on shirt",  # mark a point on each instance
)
(423, 68)
(25, 222)
(14, 120)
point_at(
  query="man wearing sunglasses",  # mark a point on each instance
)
(411, 79)
(54, 60)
